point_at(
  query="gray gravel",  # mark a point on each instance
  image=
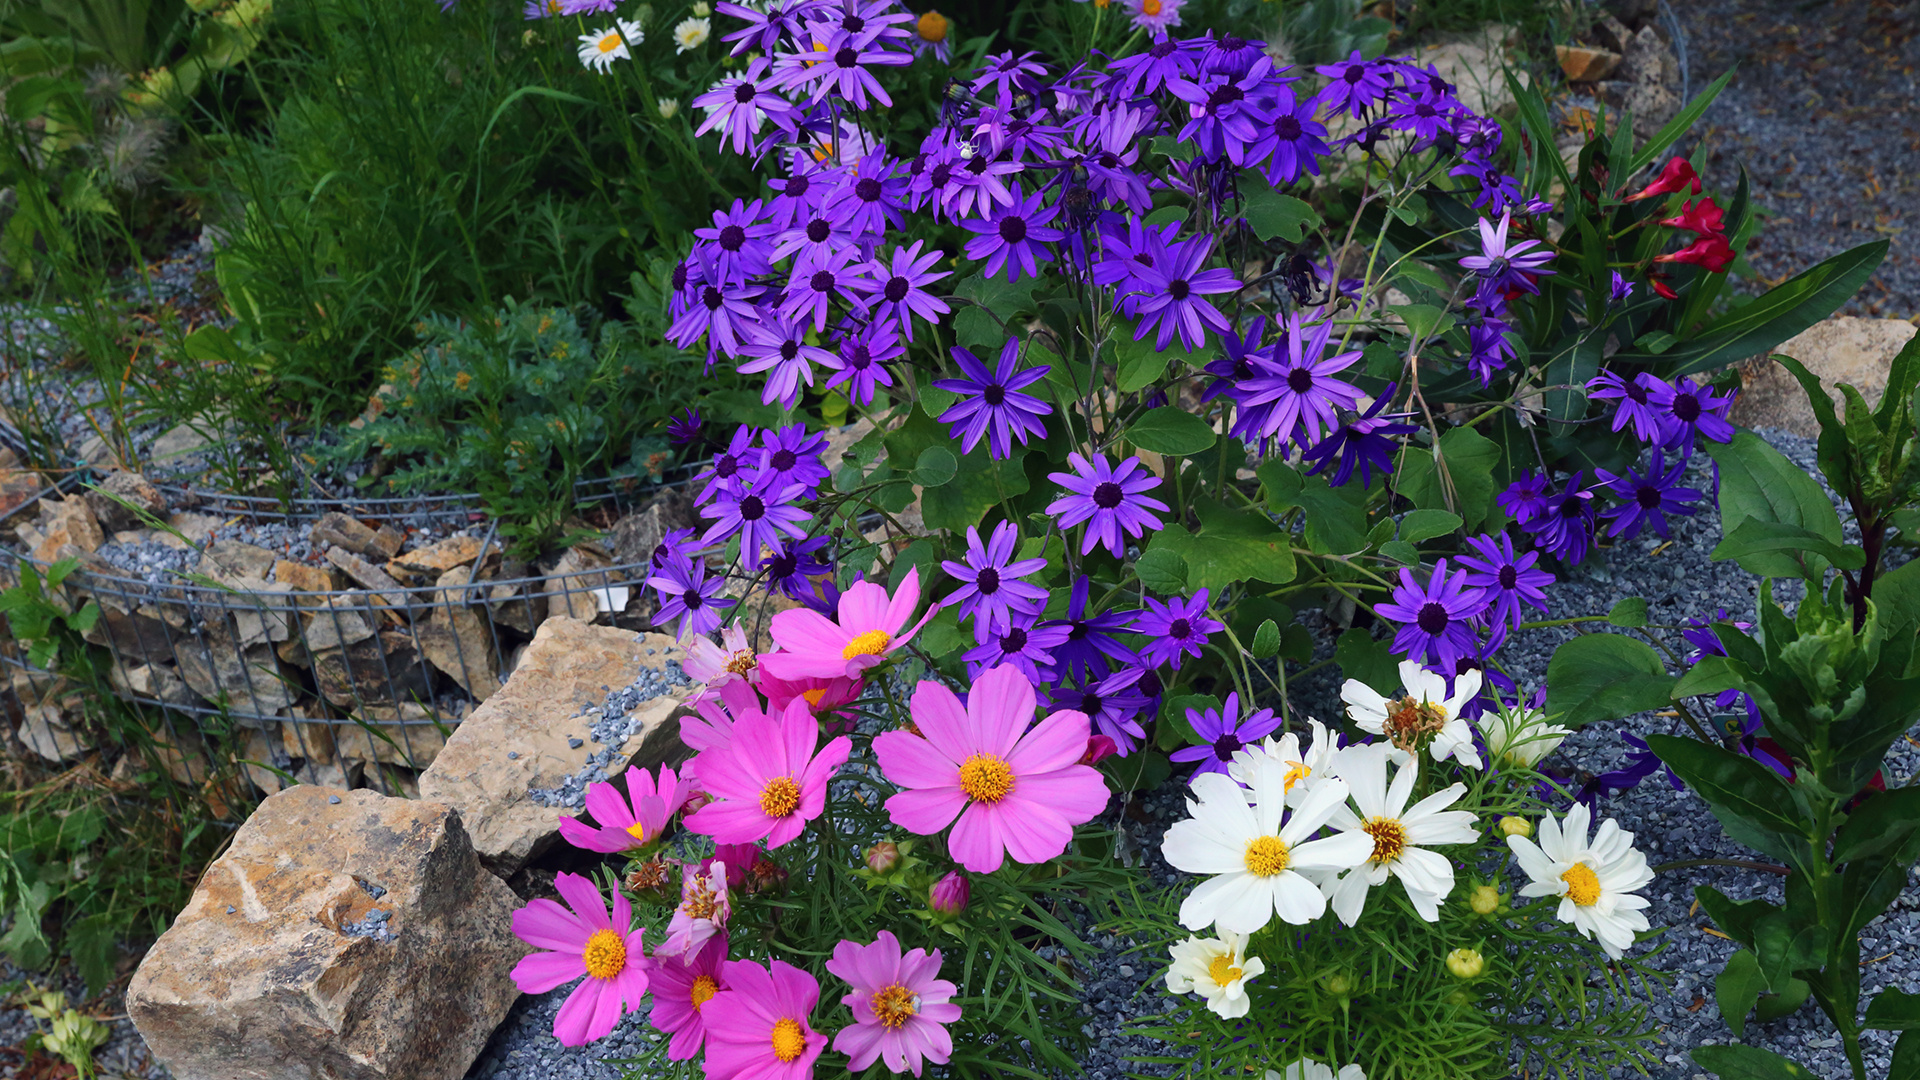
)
(610, 723)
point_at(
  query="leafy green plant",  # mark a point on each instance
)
(71, 1034)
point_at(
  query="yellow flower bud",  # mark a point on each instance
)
(1339, 984)
(1466, 964)
(1515, 826)
(1485, 899)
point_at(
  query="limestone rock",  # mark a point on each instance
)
(369, 577)
(250, 680)
(342, 621)
(381, 670)
(264, 749)
(341, 774)
(256, 612)
(196, 529)
(404, 734)
(457, 640)
(384, 543)
(153, 682)
(569, 665)
(343, 531)
(50, 718)
(141, 623)
(634, 537)
(1843, 349)
(299, 982)
(183, 440)
(1582, 64)
(302, 577)
(17, 485)
(122, 498)
(62, 521)
(233, 559)
(308, 738)
(574, 589)
(428, 563)
(521, 605)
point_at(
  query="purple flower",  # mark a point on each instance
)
(1691, 408)
(864, 355)
(1028, 648)
(1299, 391)
(1147, 72)
(1647, 497)
(1509, 580)
(1154, 17)
(1504, 266)
(795, 570)
(760, 514)
(1090, 643)
(1291, 141)
(844, 71)
(902, 281)
(991, 592)
(1366, 441)
(1235, 364)
(820, 277)
(792, 456)
(1223, 733)
(1490, 344)
(1224, 113)
(1113, 703)
(872, 198)
(779, 347)
(1008, 75)
(1641, 763)
(1176, 289)
(797, 198)
(1175, 629)
(1110, 500)
(1525, 499)
(1564, 527)
(720, 312)
(993, 404)
(740, 106)
(765, 25)
(688, 595)
(1435, 618)
(731, 467)
(1353, 84)
(976, 185)
(1699, 633)
(1620, 290)
(1012, 235)
(1635, 396)
(685, 428)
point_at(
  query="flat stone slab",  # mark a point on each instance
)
(1844, 349)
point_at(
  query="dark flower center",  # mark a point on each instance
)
(1107, 495)
(692, 598)
(1150, 684)
(994, 395)
(1090, 703)
(987, 581)
(1686, 408)
(847, 57)
(1647, 496)
(853, 24)
(782, 565)
(1014, 640)
(1226, 746)
(821, 281)
(1108, 160)
(1013, 229)
(753, 508)
(1144, 259)
(1179, 629)
(1299, 380)
(711, 298)
(1423, 110)
(1163, 49)
(860, 358)
(1287, 127)
(1571, 507)
(1354, 74)
(819, 229)
(941, 173)
(732, 237)
(744, 92)
(725, 466)
(1509, 577)
(797, 186)
(896, 290)
(783, 460)
(1433, 618)
(679, 276)
(1633, 390)
(1178, 288)
(868, 189)
(1223, 96)
(977, 164)
(1495, 267)
(789, 349)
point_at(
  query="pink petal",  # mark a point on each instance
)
(905, 599)
(977, 842)
(544, 924)
(822, 767)
(925, 811)
(608, 807)
(537, 973)
(799, 734)
(796, 991)
(584, 897)
(911, 762)
(937, 712)
(1034, 833)
(587, 838)
(730, 821)
(803, 630)
(1055, 743)
(861, 1043)
(784, 830)
(573, 1024)
(1001, 706)
(725, 774)
(1077, 793)
(863, 607)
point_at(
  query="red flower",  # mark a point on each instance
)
(1678, 174)
(1702, 216)
(1660, 286)
(1098, 748)
(1711, 253)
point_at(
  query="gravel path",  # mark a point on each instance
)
(1822, 115)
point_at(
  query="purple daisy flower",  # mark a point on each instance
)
(1509, 581)
(792, 456)
(1012, 235)
(741, 105)
(1028, 648)
(1090, 645)
(1367, 442)
(686, 428)
(1223, 733)
(1691, 408)
(1299, 391)
(1008, 75)
(1620, 290)
(760, 514)
(1353, 84)
(821, 277)
(993, 404)
(796, 570)
(1490, 344)
(873, 197)
(1149, 71)
(902, 279)
(1224, 112)
(1647, 497)
(1154, 17)
(864, 355)
(991, 592)
(766, 25)
(688, 596)
(1235, 365)
(1634, 396)
(1175, 629)
(1291, 141)
(1525, 499)
(846, 70)
(1424, 114)
(720, 313)
(797, 198)
(731, 468)
(1114, 704)
(779, 347)
(1435, 619)
(1176, 289)
(1565, 527)
(676, 544)
(1504, 266)
(1110, 500)
(977, 185)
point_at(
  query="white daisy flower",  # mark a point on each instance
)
(1399, 835)
(1217, 969)
(1255, 852)
(1520, 736)
(691, 34)
(1298, 769)
(1310, 1069)
(601, 48)
(1423, 712)
(1594, 881)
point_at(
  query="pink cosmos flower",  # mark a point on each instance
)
(868, 630)
(823, 696)
(767, 783)
(900, 1010)
(714, 666)
(682, 986)
(703, 911)
(1015, 791)
(582, 944)
(757, 1027)
(638, 819)
(710, 725)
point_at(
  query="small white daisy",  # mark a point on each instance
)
(601, 48)
(1217, 969)
(1594, 881)
(1423, 714)
(1399, 835)
(1310, 1069)
(1520, 736)
(1255, 852)
(691, 34)
(1299, 769)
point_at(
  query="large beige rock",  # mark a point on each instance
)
(403, 734)
(522, 737)
(275, 970)
(123, 498)
(456, 638)
(249, 680)
(1843, 349)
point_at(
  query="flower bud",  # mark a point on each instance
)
(1485, 899)
(1466, 964)
(1099, 747)
(695, 801)
(883, 857)
(1515, 826)
(1339, 984)
(948, 897)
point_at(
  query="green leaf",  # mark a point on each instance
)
(1266, 640)
(1906, 1058)
(1757, 481)
(1681, 123)
(1361, 657)
(1418, 525)
(93, 943)
(979, 483)
(998, 295)
(1735, 918)
(1629, 612)
(935, 466)
(1401, 552)
(1774, 1006)
(1171, 430)
(1748, 798)
(977, 331)
(1737, 989)
(1758, 547)
(1336, 518)
(1709, 675)
(1140, 364)
(1470, 458)
(1605, 677)
(1894, 1010)
(1423, 320)
(1878, 825)
(1274, 216)
(1162, 571)
(1231, 547)
(1747, 1062)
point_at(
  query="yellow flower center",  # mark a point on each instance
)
(1222, 971)
(1267, 856)
(704, 988)
(638, 832)
(612, 41)
(700, 902)
(813, 696)
(1389, 838)
(605, 954)
(986, 777)
(1296, 772)
(740, 663)
(781, 797)
(1583, 885)
(789, 1039)
(1149, 7)
(932, 27)
(871, 643)
(895, 1005)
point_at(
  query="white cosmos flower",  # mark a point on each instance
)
(601, 48)
(1595, 881)
(1255, 851)
(1298, 769)
(1423, 711)
(1217, 969)
(1399, 835)
(691, 34)
(1520, 736)
(1313, 1070)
